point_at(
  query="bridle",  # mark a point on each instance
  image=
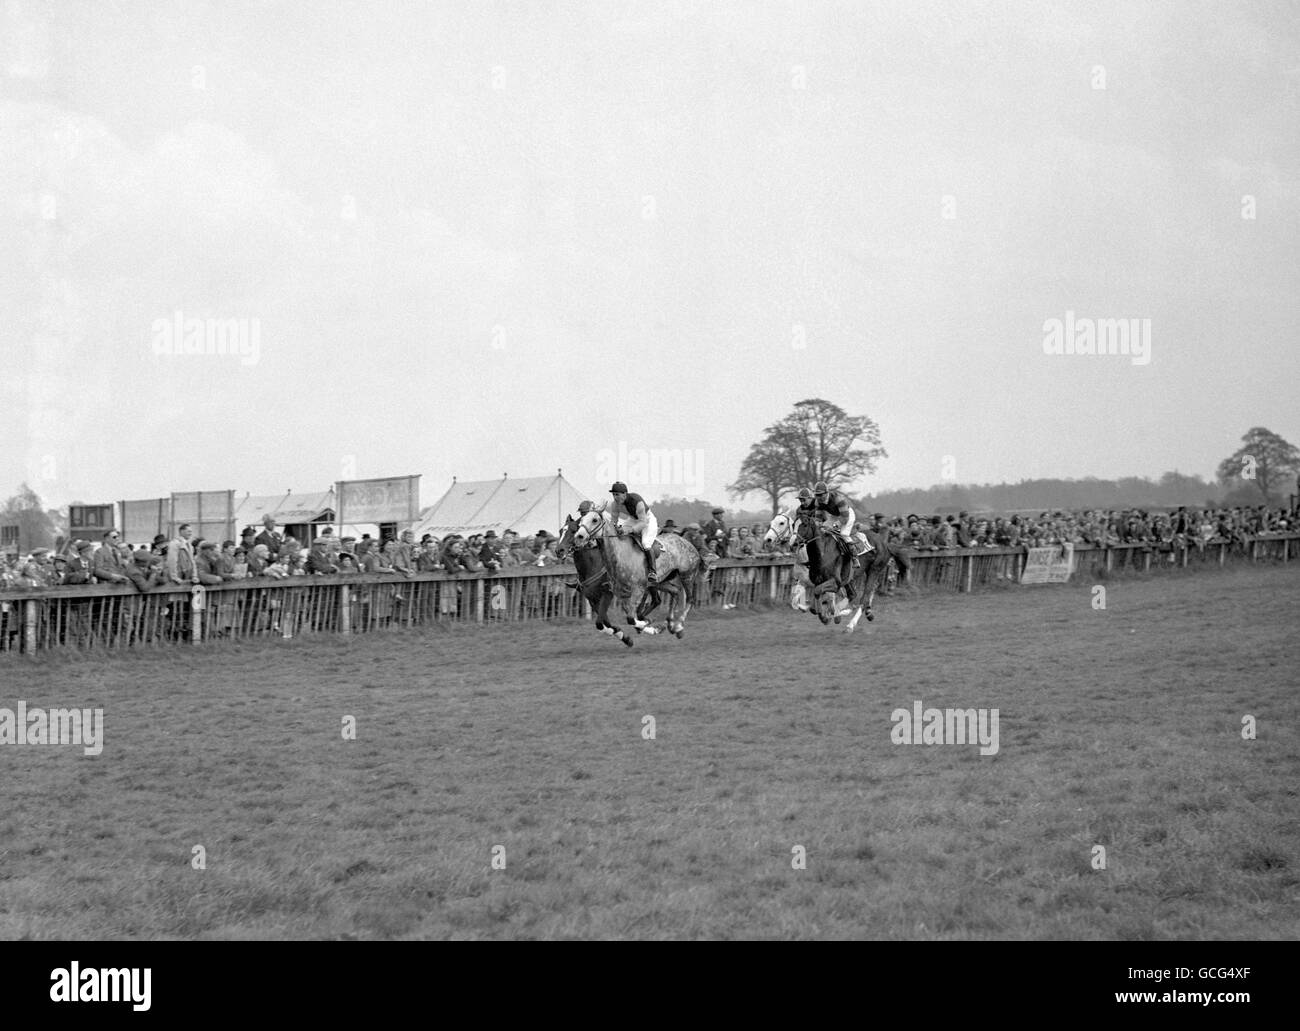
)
(606, 531)
(793, 532)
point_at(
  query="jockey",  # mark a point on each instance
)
(641, 521)
(805, 511)
(837, 513)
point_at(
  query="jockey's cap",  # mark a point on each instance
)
(619, 488)
(584, 507)
(804, 493)
(820, 488)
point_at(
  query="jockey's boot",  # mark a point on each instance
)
(650, 577)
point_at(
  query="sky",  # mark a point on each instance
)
(474, 238)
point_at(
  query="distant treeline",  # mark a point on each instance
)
(1171, 490)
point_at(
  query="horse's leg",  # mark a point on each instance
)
(618, 633)
(819, 596)
(600, 612)
(904, 564)
(871, 583)
(631, 609)
(677, 606)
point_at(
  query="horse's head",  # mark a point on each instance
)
(565, 540)
(778, 530)
(589, 526)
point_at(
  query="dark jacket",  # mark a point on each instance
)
(78, 571)
(319, 562)
(715, 530)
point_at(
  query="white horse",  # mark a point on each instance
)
(676, 566)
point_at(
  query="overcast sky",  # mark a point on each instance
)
(472, 238)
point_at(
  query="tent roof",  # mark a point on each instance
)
(287, 508)
(525, 505)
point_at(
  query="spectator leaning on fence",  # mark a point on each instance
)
(224, 563)
(206, 564)
(108, 564)
(318, 561)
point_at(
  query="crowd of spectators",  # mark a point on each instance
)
(186, 559)
(269, 553)
(1183, 527)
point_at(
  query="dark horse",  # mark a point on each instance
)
(831, 568)
(593, 581)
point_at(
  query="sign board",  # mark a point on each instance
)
(393, 500)
(9, 539)
(210, 513)
(143, 520)
(89, 522)
(1051, 565)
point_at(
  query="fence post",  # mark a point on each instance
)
(345, 610)
(967, 572)
(1254, 552)
(197, 609)
(1146, 562)
(29, 626)
(1110, 558)
(478, 601)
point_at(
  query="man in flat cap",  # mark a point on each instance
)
(207, 566)
(715, 531)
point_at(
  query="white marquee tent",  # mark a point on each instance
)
(525, 505)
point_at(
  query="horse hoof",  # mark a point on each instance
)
(626, 640)
(837, 620)
(848, 629)
(679, 634)
(871, 617)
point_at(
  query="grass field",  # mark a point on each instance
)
(1119, 728)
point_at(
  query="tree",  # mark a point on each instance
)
(1264, 458)
(36, 528)
(820, 441)
(766, 470)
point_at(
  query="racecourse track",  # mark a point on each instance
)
(1119, 727)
